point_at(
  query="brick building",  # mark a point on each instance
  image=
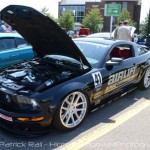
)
(81, 7)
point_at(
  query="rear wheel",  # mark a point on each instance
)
(71, 112)
(145, 82)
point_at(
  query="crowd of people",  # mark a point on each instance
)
(5, 28)
(123, 32)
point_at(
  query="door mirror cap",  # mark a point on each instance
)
(114, 62)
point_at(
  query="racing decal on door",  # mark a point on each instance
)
(120, 78)
(97, 77)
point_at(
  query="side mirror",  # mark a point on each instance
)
(114, 62)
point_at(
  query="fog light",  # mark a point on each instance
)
(34, 119)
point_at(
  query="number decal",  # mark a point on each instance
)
(97, 77)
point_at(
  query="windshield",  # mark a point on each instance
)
(93, 52)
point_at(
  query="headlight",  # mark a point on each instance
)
(28, 101)
(34, 104)
(8, 98)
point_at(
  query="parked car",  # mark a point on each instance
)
(83, 32)
(67, 79)
(14, 49)
(104, 35)
(137, 38)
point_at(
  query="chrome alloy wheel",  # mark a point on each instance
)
(147, 78)
(73, 109)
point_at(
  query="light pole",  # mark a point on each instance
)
(74, 13)
(148, 30)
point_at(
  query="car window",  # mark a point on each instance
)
(141, 50)
(7, 44)
(122, 51)
(93, 52)
(21, 43)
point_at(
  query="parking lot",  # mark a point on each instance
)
(122, 124)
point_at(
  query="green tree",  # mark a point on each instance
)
(66, 20)
(45, 12)
(93, 19)
(144, 26)
(125, 15)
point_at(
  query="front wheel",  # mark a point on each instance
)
(145, 82)
(71, 111)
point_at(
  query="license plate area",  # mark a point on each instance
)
(6, 117)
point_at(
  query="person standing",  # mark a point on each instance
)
(5, 28)
(124, 32)
(116, 30)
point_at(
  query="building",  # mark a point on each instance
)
(81, 7)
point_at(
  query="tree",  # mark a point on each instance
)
(45, 12)
(66, 20)
(125, 15)
(93, 19)
(144, 26)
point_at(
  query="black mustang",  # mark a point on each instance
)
(67, 78)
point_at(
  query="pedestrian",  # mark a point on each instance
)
(116, 30)
(124, 32)
(5, 27)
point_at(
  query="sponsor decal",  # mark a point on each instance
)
(118, 79)
(121, 75)
(121, 78)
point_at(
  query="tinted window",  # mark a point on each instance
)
(21, 43)
(93, 52)
(7, 44)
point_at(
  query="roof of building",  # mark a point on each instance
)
(77, 2)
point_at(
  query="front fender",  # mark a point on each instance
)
(67, 89)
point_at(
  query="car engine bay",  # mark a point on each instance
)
(38, 74)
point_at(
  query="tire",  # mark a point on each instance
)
(71, 111)
(145, 82)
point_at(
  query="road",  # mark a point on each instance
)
(122, 124)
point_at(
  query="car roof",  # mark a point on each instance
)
(96, 40)
(10, 35)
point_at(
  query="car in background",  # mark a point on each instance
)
(104, 35)
(137, 38)
(73, 33)
(14, 49)
(83, 32)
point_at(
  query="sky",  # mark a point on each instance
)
(52, 5)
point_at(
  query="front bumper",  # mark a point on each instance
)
(24, 128)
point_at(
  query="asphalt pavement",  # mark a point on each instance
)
(122, 124)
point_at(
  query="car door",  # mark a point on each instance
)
(9, 54)
(117, 77)
(25, 49)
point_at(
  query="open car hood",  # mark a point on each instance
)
(46, 36)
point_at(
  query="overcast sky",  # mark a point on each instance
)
(53, 5)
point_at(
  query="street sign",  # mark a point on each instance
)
(112, 9)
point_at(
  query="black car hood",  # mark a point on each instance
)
(46, 36)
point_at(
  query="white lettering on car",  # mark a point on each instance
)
(121, 75)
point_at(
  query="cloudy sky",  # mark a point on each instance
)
(53, 5)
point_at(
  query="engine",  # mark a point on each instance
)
(35, 75)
